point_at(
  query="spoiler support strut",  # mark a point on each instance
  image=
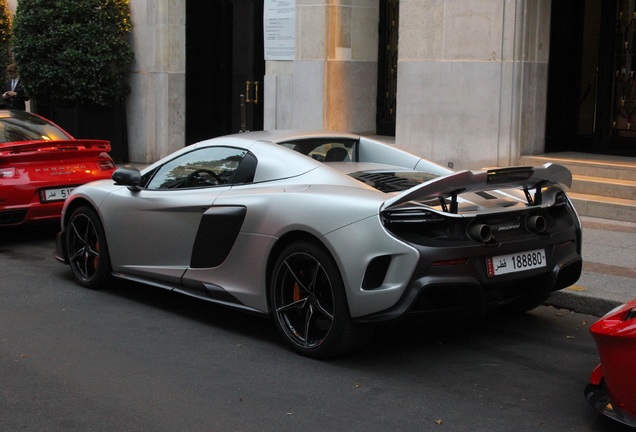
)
(538, 195)
(454, 207)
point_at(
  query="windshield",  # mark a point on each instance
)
(393, 181)
(18, 126)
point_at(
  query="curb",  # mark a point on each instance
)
(583, 304)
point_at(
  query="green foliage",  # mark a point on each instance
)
(5, 35)
(73, 52)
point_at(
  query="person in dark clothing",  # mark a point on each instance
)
(14, 95)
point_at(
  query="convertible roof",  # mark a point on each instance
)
(289, 134)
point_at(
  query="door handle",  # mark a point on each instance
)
(248, 84)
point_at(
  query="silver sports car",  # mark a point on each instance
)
(328, 233)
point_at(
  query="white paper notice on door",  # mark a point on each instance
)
(279, 29)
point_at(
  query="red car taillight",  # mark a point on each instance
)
(105, 162)
(7, 172)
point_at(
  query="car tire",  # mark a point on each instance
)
(87, 248)
(309, 304)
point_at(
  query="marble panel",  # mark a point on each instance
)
(509, 28)
(279, 67)
(171, 12)
(449, 111)
(269, 101)
(175, 112)
(537, 30)
(177, 48)
(364, 33)
(339, 28)
(534, 108)
(351, 98)
(421, 29)
(284, 92)
(278, 97)
(141, 38)
(140, 115)
(156, 120)
(509, 112)
(310, 32)
(308, 95)
(473, 30)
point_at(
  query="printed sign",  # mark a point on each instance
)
(279, 28)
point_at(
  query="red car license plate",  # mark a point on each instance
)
(516, 262)
(57, 194)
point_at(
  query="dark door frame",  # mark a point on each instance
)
(565, 90)
(387, 66)
(224, 50)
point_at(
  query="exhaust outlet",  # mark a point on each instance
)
(536, 224)
(480, 232)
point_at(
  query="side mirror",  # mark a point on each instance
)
(127, 176)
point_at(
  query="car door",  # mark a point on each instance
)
(151, 231)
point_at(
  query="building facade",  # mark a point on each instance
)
(467, 84)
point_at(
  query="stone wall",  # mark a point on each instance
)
(472, 80)
(472, 77)
(332, 83)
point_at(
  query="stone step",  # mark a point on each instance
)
(604, 207)
(603, 186)
(614, 167)
(606, 187)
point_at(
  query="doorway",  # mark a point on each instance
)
(591, 79)
(224, 60)
(387, 66)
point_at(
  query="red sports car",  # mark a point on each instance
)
(612, 388)
(40, 164)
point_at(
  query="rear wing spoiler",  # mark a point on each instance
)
(528, 178)
(54, 145)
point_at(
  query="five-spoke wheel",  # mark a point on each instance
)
(309, 303)
(86, 248)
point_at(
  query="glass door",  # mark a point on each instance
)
(592, 77)
(623, 127)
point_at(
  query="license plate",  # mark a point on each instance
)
(516, 262)
(57, 194)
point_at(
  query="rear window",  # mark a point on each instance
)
(326, 149)
(393, 181)
(18, 126)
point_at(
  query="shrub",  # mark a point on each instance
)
(5, 35)
(73, 53)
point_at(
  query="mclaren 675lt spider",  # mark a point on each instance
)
(327, 233)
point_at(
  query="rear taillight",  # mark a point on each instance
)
(105, 162)
(423, 226)
(7, 172)
(560, 199)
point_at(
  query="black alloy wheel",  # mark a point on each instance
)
(309, 303)
(87, 249)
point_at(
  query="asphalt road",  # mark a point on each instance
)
(134, 358)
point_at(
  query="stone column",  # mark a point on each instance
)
(156, 105)
(472, 79)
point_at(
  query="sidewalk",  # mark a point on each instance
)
(609, 269)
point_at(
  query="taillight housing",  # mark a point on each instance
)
(423, 226)
(105, 162)
(7, 172)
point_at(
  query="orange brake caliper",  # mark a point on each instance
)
(296, 292)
